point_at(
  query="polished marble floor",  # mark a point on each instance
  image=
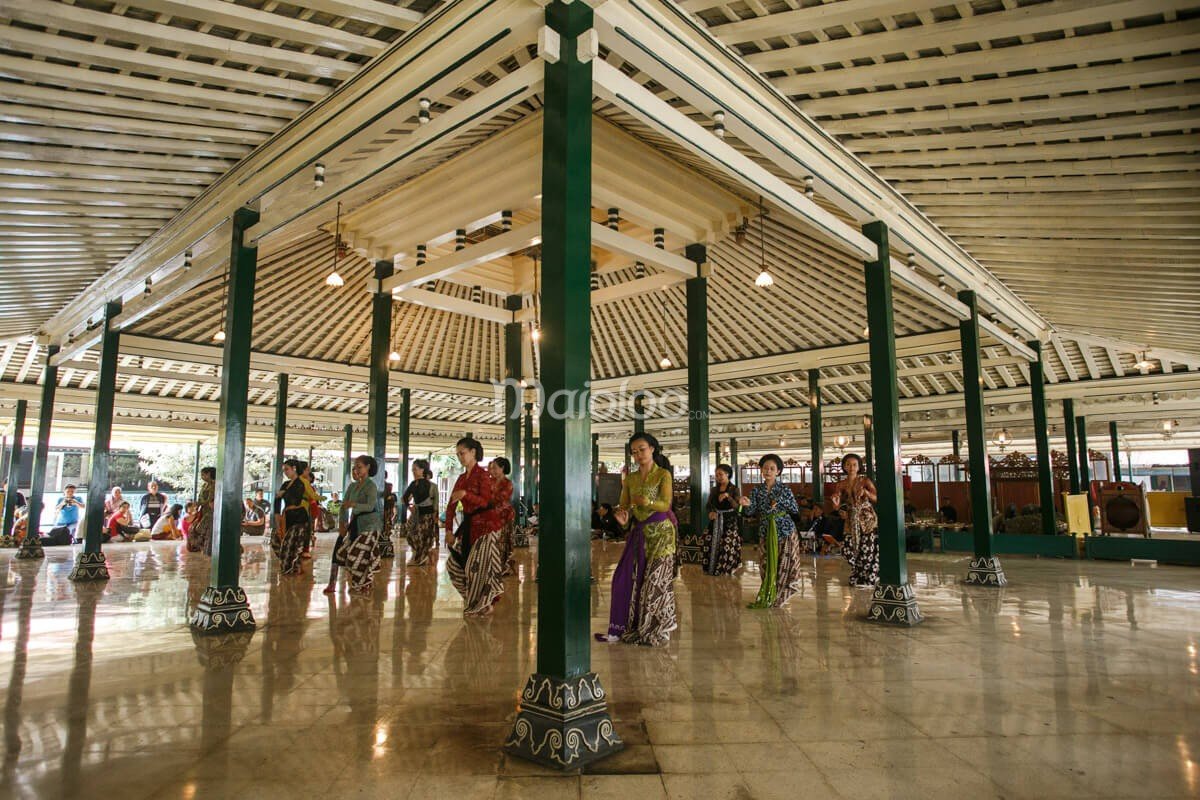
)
(1081, 679)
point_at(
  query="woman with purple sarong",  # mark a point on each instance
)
(643, 599)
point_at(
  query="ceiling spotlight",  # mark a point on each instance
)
(1144, 364)
(665, 363)
(318, 175)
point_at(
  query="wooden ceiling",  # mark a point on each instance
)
(1055, 141)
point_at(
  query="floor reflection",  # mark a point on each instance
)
(1078, 679)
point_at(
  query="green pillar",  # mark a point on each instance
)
(639, 413)
(405, 446)
(1068, 407)
(1085, 465)
(955, 443)
(90, 564)
(985, 568)
(223, 607)
(347, 456)
(1041, 438)
(893, 601)
(733, 462)
(196, 473)
(1116, 450)
(31, 547)
(281, 401)
(513, 396)
(14, 470)
(816, 437)
(544, 731)
(697, 359)
(595, 463)
(529, 470)
(377, 390)
(869, 446)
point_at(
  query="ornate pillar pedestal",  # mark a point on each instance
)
(222, 609)
(893, 604)
(31, 547)
(563, 724)
(88, 566)
(986, 571)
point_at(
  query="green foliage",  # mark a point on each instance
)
(174, 466)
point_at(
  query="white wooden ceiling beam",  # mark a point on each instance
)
(472, 255)
(813, 18)
(373, 11)
(605, 238)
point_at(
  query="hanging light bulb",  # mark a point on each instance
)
(393, 356)
(219, 336)
(841, 440)
(665, 363)
(782, 442)
(867, 332)
(764, 278)
(536, 334)
(334, 279)
(1144, 363)
(1002, 438)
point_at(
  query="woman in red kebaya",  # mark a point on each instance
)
(475, 565)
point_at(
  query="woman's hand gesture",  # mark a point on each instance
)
(744, 502)
(622, 516)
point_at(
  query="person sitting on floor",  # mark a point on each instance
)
(949, 513)
(605, 522)
(253, 521)
(168, 525)
(189, 514)
(120, 524)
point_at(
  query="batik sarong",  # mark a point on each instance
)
(289, 547)
(780, 568)
(723, 550)
(421, 531)
(643, 597)
(861, 547)
(480, 580)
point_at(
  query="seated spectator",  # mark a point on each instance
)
(605, 521)
(189, 514)
(20, 525)
(68, 511)
(21, 502)
(168, 525)
(948, 513)
(153, 504)
(253, 522)
(120, 524)
(261, 504)
(112, 503)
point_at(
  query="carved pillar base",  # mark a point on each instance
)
(89, 567)
(222, 609)
(895, 605)
(563, 724)
(986, 572)
(387, 549)
(31, 547)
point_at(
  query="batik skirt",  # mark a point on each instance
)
(289, 547)
(481, 580)
(861, 547)
(780, 568)
(421, 532)
(360, 556)
(643, 592)
(508, 535)
(723, 550)
(200, 534)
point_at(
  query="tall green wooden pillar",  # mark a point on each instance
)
(530, 472)
(347, 455)
(90, 564)
(816, 437)
(223, 607)
(736, 477)
(563, 720)
(1085, 464)
(377, 389)
(281, 401)
(1041, 439)
(985, 569)
(405, 427)
(513, 396)
(31, 546)
(595, 465)
(1068, 407)
(869, 446)
(14, 471)
(1115, 441)
(893, 600)
(697, 356)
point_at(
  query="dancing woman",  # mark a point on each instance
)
(421, 497)
(200, 529)
(774, 504)
(358, 551)
(475, 566)
(643, 599)
(291, 508)
(724, 551)
(502, 492)
(853, 498)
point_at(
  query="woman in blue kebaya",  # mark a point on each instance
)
(774, 504)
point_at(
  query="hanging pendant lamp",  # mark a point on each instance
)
(764, 278)
(334, 279)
